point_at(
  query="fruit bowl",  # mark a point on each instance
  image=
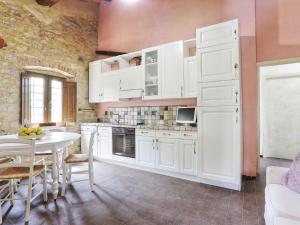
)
(30, 133)
(30, 137)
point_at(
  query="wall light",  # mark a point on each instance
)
(129, 1)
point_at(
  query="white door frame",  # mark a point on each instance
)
(259, 89)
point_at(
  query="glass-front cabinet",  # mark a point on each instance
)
(152, 62)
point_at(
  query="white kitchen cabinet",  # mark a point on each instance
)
(152, 72)
(220, 93)
(131, 82)
(172, 70)
(220, 145)
(131, 78)
(187, 155)
(219, 63)
(95, 82)
(111, 86)
(146, 149)
(167, 154)
(190, 77)
(105, 142)
(105, 146)
(217, 34)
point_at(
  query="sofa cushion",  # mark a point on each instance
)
(282, 201)
(292, 178)
(285, 221)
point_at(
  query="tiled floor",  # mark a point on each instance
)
(132, 197)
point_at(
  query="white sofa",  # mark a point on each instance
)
(282, 205)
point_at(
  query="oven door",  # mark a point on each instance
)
(124, 143)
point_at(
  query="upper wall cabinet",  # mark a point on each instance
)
(95, 83)
(131, 82)
(219, 63)
(152, 68)
(172, 70)
(111, 87)
(190, 77)
(217, 34)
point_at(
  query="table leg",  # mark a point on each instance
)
(54, 173)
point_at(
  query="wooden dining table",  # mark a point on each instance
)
(51, 141)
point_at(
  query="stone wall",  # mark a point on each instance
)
(63, 36)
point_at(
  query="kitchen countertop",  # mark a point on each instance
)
(154, 127)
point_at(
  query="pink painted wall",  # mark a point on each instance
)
(278, 35)
(127, 27)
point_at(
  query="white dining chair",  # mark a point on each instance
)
(6, 187)
(73, 160)
(23, 167)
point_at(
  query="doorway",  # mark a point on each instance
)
(280, 110)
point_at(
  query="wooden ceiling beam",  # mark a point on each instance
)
(47, 2)
(109, 53)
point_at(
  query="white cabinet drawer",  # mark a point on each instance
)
(168, 134)
(88, 128)
(188, 135)
(220, 93)
(144, 132)
(105, 130)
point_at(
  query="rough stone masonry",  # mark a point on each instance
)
(63, 37)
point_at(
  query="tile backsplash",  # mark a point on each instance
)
(143, 115)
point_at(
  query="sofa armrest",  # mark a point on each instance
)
(274, 174)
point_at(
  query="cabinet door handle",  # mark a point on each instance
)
(168, 134)
(236, 97)
(181, 89)
(194, 147)
(237, 116)
(157, 144)
(153, 143)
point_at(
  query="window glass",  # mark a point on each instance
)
(37, 104)
(56, 100)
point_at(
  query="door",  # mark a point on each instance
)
(279, 110)
(219, 63)
(111, 87)
(105, 145)
(217, 34)
(219, 93)
(172, 70)
(145, 150)
(188, 159)
(190, 77)
(167, 154)
(95, 82)
(220, 144)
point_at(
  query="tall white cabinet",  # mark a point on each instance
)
(218, 101)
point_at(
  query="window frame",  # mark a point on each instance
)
(47, 97)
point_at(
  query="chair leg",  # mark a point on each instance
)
(0, 211)
(27, 212)
(45, 193)
(11, 190)
(69, 173)
(63, 188)
(91, 176)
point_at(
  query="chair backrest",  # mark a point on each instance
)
(54, 129)
(91, 145)
(24, 153)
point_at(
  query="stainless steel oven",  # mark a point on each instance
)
(123, 141)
